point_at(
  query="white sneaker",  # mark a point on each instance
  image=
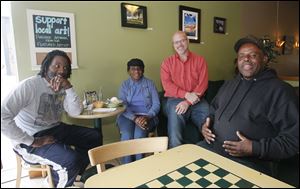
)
(78, 184)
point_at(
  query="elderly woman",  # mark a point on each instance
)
(140, 96)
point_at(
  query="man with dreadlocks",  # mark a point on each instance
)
(31, 118)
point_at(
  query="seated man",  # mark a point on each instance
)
(254, 118)
(31, 118)
(185, 79)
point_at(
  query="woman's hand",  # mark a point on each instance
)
(142, 122)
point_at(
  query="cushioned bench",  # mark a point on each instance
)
(191, 134)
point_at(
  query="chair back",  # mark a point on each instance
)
(107, 152)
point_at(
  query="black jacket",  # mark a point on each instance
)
(264, 109)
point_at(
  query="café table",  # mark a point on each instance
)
(97, 117)
(187, 165)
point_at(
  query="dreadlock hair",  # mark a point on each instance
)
(48, 60)
(135, 62)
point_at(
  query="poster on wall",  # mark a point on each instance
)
(288, 45)
(50, 31)
(189, 22)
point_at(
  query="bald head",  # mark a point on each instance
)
(179, 34)
(180, 43)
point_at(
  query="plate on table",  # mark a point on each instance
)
(103, 110)
(114, 105)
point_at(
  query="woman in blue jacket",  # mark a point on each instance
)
(140, 96)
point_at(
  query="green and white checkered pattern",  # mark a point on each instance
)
(199, 174)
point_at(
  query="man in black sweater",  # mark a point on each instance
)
(254, 118)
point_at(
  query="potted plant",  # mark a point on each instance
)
(269, 46)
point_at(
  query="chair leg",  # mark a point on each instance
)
(100, 167)
(19, 171)
(44, 173)
(51, 184)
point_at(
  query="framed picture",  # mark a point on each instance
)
(49, 31)
(134, 16)
(189, 22)
(288, 45)
(219, 25)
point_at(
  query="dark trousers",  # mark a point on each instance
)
(66, 162)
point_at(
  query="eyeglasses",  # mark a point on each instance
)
(135, 69)
(178, 42)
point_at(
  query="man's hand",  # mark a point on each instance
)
(55, 84)
(206, 132)
(240, 148)
(59, 82)
(182, 107)
(41, 141)
(192, 97)
(142, 122)
(65, 83)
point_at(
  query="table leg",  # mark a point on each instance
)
(98, 126)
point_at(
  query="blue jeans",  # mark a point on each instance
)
(196, 113)
(66, 162)
(129, 130)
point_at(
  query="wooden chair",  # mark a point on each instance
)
(45, 169)
(99, 155)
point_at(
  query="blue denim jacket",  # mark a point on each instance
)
(150, 97)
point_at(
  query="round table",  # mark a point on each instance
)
(97, 116)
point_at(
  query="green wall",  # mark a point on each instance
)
(104, 47)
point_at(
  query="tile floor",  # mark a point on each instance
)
(8, 178)
(26, 182)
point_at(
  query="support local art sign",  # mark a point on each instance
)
(49, 31)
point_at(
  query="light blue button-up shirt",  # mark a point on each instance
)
(134, 92)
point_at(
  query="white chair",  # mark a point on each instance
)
(99, 155)
(45, 169)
